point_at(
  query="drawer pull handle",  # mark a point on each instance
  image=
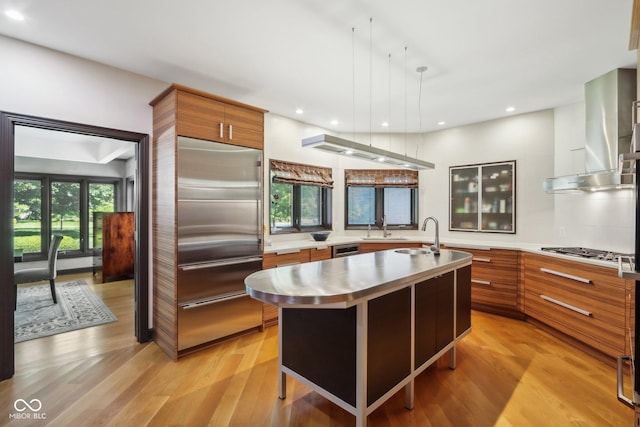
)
(481, 282)
(230, 131)
(288, 263)
(482, 259)
(565, 305)
(565, 275)
(287, 251)
(221, 129)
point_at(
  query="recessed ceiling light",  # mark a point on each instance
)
(299, 111)
(442, 123)
(334, 122)
(14, 14)
(510, 109)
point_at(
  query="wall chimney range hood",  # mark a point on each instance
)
(609, 101)
(333, 144)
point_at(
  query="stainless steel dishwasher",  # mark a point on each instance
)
(346, 249)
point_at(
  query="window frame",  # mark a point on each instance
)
(46, 207)
(299, 175)
(379, 205)
(296, 211)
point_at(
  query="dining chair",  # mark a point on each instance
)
(49, 273)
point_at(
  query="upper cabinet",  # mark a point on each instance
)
(482, 197)
(204, 116)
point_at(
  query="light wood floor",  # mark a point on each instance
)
(509, 374)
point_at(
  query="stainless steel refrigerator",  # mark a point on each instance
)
(219, 239)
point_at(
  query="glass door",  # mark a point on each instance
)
(464, 198)
(497, 198)
(482, 197)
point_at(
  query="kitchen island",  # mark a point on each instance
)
(359, 329)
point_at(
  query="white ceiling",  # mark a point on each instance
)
(57, 145)
(482, 55)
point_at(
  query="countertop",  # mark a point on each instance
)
(343, 282)
(427, 239)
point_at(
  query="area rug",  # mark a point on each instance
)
(78, 307)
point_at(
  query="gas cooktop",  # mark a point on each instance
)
(591, 253)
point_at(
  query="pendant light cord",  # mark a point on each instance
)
(421, 70)
(370, 79)
(405, 101)
(353, 80)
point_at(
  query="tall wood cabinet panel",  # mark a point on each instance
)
(182, 111)
(118, 247)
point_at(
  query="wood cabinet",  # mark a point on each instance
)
(113, 244)
(279, 259)
(319, 254)
(182, 111)
(586, 302)
(215, 119)
(495, 280)
(366, 247)
(289, 257)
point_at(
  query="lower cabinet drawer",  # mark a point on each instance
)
(584, 301)
(209, 322)
(584, 322)
(494, 294)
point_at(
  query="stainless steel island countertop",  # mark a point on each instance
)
(343, 282)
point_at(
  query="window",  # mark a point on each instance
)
(65, 213)
(373, 194)
(101, 199)
(45, 205)
(27, 215)
(300, 197)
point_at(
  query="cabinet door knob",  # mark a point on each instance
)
(221, 130)
(230, 131)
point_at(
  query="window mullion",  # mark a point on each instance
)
(297, 208)
(379, 194)
(84, 216)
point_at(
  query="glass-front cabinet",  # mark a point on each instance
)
(482, 197)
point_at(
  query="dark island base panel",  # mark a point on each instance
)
(320, 344)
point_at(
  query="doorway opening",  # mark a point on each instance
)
(133, 195)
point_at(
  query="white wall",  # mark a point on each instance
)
(526, 138)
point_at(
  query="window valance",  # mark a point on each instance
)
(296, 173)
(402, 178)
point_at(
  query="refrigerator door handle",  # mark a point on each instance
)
(621, 397)
(212, 300)
(202, 265)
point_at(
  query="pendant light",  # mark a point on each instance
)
(345, 147)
